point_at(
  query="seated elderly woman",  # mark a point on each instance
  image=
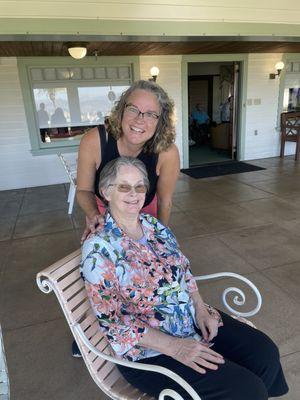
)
(147, 302)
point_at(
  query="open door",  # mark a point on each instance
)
(234, 110)
(213, 99)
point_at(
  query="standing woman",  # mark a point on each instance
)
(141, 125)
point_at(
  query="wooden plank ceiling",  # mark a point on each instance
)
(114, 48)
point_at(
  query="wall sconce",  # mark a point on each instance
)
(154, 71)
(77, 50)
(279, 66)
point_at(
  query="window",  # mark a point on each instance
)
(291, 95)
(96, 102)
(66, 101)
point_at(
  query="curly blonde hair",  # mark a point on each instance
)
(164, 134)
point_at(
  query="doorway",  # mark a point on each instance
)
(213, 91)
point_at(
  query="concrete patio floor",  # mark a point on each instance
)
(245, 223)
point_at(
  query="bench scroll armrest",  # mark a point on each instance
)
(240, 298)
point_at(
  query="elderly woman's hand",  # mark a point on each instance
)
(93, 225)
(193, 354)
(208, 325)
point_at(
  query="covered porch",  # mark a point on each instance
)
(245, 223)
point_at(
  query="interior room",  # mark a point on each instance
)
(213, 87)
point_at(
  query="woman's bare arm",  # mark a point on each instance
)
(189, 352)
(89, 158)
(168, 171)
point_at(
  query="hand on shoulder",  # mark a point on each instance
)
(93, 225)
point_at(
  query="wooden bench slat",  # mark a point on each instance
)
(81, 310)
(77, 299)
(68, 280)
(78, 285)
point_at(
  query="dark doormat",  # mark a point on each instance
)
(227, 168)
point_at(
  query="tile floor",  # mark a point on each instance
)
(205, 154)
(246, 223)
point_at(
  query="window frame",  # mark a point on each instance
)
(27, 86)
(287, 58)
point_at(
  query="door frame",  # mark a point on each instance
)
(204, 58)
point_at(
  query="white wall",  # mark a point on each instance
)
(176, 10)
(18, 168)
(262, 117)
(170, 79)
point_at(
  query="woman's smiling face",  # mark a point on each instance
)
(129, 202)
(138, 129)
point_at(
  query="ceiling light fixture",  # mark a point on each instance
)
(77, 50)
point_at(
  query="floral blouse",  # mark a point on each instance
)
(132, 286)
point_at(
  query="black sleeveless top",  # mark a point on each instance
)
(109, 151)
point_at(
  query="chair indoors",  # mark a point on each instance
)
(63, 277)
(290, 131)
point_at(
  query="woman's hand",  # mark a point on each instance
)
(93, 225)
(208, 325)
(193, 354)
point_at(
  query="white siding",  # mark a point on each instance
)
(174, 10)
(262, 117)
(19, 168)
(170, 79)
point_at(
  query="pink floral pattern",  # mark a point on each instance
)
(132, 286)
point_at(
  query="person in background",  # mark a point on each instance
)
(58, 118)
(59, 123)
(43, 118)
(191, 141)
(199, 116)
(141, 125)
(200, 125)
(146, 300)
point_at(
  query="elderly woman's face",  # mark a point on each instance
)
(140, 117)
(127, 193)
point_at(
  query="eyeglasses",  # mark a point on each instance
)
(134, 112)
(126, 188)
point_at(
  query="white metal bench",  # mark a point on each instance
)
(64, 279)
